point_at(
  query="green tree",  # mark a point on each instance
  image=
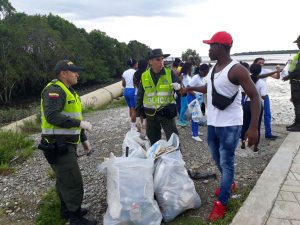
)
(138, 50)
(185, 55)
(6, 9)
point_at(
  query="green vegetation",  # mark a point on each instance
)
(9, 115)
(185, 55)
(268, 52)
(12, 145)
(50, 210)
(32, 126)
(113, 104)
(31, 45)
(50, 173)
(232, 208)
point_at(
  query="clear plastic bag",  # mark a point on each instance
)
(137, 146)
(194, 106)
(203, 121)
(174, 190)
(173, 141)
(130, 195)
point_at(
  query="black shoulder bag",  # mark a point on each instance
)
(219, 101)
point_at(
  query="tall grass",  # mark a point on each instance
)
(88, 108)
(12, 145)
(10, 115)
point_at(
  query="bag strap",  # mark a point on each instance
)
(213, 86)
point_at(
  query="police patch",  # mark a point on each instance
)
(52, 101)
(165, 81)
(71, 102)
(148, 87)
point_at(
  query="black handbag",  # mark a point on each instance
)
(219, 101)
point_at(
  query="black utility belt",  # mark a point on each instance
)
(52, 150)
(168, 111)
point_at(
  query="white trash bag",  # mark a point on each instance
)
(285, 71)
(196, 110)
(203, 121)
(130, 195)
(174, 190)
(153, 150)
(137, 146)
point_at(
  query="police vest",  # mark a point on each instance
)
(156, 97)
(294, 62)
(72, 109)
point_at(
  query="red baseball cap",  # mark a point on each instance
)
(221, 37)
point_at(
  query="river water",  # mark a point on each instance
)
(269, 58)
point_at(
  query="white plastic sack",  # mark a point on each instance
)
(174, 190)
(173, 141)
(188, 114)
(137, 146)
(285, 71)
(203, 121)
(130, 195)
(196, 110)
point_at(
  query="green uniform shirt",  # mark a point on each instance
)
(155, 78)
(53, 107)
(295, 74)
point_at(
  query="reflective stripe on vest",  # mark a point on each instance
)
(156, 97)
(71, 109)
(294, 62)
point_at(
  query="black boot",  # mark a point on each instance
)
(65, 213)
(296, 125)
(77, 219)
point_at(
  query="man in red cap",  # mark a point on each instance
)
(294, 77)
(225, 114)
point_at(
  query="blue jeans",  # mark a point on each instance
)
(184, 105)
(267, 116)
(222, 142)
(194, 125)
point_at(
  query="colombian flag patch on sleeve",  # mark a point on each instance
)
(53, 95)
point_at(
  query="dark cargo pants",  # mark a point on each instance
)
(69, 185)
(154, 125)
(295, 92)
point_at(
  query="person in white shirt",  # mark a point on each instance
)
(225, 115)
(267, 109)
(185, 77)
(129, 92)
(261, 87)
(197, 81)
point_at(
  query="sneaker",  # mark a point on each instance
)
(186, 122)
(271, 137)
(233, 186)
(218, 211)
(197, 138)
(199, 133)
(181, 123)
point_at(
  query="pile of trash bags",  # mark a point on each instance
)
(133, 181)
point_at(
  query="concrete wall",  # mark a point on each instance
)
(96, 98)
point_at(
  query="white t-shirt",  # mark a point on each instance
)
(264, 71)
(261, 87)
(128, 76)
(197, 81)
(186, 79)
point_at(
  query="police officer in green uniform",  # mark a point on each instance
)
(156, 94)
(294, 77)
(62, 130)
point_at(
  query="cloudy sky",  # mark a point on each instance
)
(175, 25)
